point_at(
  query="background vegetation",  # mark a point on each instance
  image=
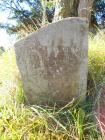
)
(29, 15)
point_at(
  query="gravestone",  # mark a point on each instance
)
(53, 62)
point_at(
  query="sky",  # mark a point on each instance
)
(5, 39)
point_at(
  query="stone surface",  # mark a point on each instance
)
(53, 62)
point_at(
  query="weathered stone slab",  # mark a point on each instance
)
(53, 62)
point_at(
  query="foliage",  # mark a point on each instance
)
(2, 50)
(99, 12)
(28, 15)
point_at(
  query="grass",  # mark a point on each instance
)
(75, 121)
(96, 63)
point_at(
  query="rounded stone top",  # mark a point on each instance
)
(63, 23)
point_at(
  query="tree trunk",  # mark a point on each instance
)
(66, 8)
(85, 8)
(73, 8)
